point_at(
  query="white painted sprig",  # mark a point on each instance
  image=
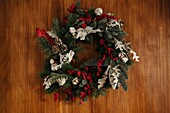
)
(113, 73)
(123, 56)
(113, 23)
(125, 47)
(82, 32)
(135, 57)
(101, 82)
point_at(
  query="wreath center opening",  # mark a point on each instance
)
(87, 52)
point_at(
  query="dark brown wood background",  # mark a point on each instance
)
(148, 25)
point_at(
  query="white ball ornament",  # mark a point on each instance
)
(51, 61)
(75, 81)
(98, 11)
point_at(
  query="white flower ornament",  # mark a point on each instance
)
(66, 58)
(72, 31)
(47, 82)
(81, 33)
(62, 81)
(54, 66)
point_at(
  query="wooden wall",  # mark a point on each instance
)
(148, 25)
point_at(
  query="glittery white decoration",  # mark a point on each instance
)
(98, 11)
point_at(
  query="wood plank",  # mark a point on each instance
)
(147, 23)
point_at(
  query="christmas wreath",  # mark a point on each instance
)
(94, 76)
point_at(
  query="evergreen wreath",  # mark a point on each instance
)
(95, 76)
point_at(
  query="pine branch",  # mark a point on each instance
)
(46, 71)
(56, 28)
(57, 75)
(92, 62)
(77, 49)
(45, 45)
(122, 82)
(66, 67)
(72, 20)
(53, 88)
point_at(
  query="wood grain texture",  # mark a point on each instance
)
(148, 25)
